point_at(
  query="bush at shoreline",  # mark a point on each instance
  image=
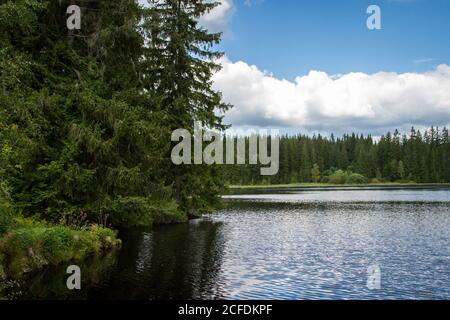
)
(29, 245)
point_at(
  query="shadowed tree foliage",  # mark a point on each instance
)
(86, 115)
(179, 60)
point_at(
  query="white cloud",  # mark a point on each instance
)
(322, 102)
(217, 19)
(424, 60)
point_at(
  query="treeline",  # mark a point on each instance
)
(416, 157)
(86, 116)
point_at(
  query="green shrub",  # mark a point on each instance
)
(167, 213)
(5, 221)
(356, 178)
(406, 181)
(31, 248)
(57, 244)
(140, 211)
(338, 177)
(84, 244)
(5, 209)
(2, 270)
(106, 238)
(345, 177)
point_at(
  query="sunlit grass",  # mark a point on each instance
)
(329, 185)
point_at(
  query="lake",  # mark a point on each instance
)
(280, 244)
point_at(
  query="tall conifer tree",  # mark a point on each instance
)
(180, 61)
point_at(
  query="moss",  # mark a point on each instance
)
(2, 270)
(5, 208)
(25, 249)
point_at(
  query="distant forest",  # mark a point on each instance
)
(416, 157)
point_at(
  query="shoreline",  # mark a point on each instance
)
(344, 186)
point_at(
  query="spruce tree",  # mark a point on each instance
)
(180, 61)
(91, 142)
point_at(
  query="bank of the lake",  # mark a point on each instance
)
(329, 185)
(28, 246)
(279, 244)
(29, 243)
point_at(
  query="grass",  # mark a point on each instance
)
(30, 245)
(329, 185)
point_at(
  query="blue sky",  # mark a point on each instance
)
(291, 37)
(313, 66)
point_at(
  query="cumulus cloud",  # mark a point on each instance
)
(322, 102)
(217, 19)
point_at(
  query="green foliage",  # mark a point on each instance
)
(179, 62)
(423, 158)
(5, 209)
(345, 177)
(315, 173)
(338, 177)
(86, 117)
(356, 178)
(29, 248)
(94, 270)
(140, 211)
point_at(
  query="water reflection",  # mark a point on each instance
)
(296, 245)
(50, 284)
(343, 194)
(170, 262)
(321, 250)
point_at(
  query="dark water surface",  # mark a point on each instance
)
(283, 244)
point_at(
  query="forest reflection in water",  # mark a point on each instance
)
(166, 262)
(301, 244)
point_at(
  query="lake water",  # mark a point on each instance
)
(280, 244)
